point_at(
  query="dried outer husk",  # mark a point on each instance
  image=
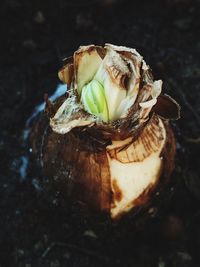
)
(145, 93)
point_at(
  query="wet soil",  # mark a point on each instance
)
(35, 36)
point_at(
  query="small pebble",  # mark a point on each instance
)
(90, 233)
(39, 17)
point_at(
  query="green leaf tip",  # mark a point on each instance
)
(94, 100)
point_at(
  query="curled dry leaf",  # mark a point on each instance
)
(107, 143)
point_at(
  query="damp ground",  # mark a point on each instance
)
(35, 36)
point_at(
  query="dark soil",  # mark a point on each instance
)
(35, 36)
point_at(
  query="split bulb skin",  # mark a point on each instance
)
(113, 166)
